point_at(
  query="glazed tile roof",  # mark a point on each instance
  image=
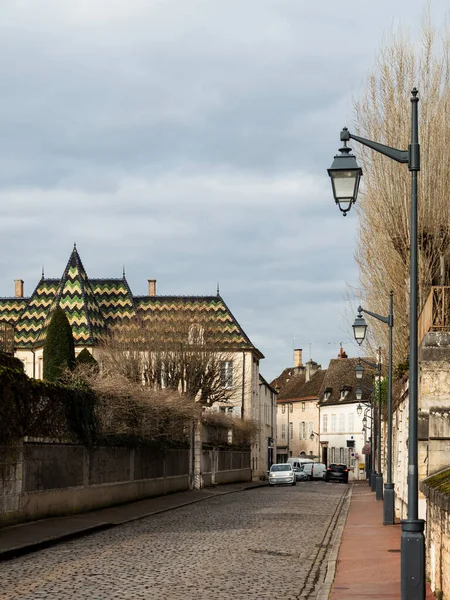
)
(94, 305)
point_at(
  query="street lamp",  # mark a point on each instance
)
(345, 177)
(359, 327)
(376, 479)
(413, 540)
(359, 370)
(389, 496)
(359, 407)
(358, 394)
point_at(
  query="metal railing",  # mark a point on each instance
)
(435, 315)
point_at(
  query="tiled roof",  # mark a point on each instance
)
(340, 375)
(93, 305)
(298, 388)
(279, 382)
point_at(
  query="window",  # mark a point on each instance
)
(283, 431)
(327, 395)
(303, 430)
(291, 407)
(333, 423)
(342, 423)
(341, 455)
(333, 455)
(196, 334)
(343, 394)
(226, 374)
(291, 430)
(283, 408)
(303, 406)
(351, 422)
(325, 423)
(310, 428)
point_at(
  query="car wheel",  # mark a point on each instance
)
(294, 483)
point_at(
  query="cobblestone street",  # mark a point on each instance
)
(257, 544)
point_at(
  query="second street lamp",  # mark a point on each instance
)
(388, 496)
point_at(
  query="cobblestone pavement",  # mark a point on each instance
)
(253, 545)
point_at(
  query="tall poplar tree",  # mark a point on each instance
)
(383, 113)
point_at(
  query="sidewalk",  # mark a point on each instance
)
(368, 564)
(29, 537)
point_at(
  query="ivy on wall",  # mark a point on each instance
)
(30, 407)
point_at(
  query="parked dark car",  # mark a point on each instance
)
(337, 472)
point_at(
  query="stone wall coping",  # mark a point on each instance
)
(431, 488)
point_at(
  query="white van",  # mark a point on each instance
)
(299, 462)
(315, 470)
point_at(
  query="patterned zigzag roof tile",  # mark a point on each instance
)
(94, 305)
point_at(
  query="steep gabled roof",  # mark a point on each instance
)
(297, 388)
(76, 297)
(94, 305)
(340, 376)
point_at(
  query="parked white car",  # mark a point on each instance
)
(282, 473)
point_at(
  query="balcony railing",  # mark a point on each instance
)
(435, 315)
(7, 338)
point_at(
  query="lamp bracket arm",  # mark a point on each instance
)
(370, 364)
(372, 314)
(401, 156)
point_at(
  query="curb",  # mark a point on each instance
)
(53, 541)
(325, 588)
(11, 553)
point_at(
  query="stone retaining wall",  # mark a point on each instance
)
(44, 479)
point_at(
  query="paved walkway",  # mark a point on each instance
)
(368, 564)
(29, 537)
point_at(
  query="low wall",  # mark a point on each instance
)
(48, 479)
(44, 479)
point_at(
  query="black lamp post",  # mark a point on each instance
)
(389, 496)
(413, 540)
(376, 480)
(371, 474)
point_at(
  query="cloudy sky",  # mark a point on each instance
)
(189, 140)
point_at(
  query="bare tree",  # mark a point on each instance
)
(383, 114)
(181, 354)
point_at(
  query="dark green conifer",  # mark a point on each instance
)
(59, 350)
(86, 358)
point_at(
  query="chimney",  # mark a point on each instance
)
(298, 357)
(311, 368)
(152, 287)
(18, 288)
(342, 353)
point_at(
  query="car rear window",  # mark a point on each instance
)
(340, 468)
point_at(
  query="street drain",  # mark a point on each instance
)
(274, 552)
(394, 550)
